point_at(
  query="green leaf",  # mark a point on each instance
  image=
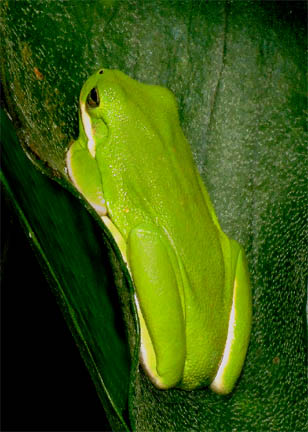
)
(71, 249)
(238, 72)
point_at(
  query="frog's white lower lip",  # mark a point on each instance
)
(86, 121)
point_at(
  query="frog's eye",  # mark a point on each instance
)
(93, 98)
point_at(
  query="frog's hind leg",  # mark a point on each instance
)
(239, 325)
(153, 266)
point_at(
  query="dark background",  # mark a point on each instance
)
(45, 385)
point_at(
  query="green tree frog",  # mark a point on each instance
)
(133, 164)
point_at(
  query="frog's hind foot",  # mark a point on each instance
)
(239, 326)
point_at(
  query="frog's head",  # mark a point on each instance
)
(113, 104)
(102, 99)
(115, 129)
(125, 127)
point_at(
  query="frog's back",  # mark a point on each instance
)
(150, 177)
(175, 200)
(157, 179)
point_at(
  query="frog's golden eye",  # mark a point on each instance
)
(93, 98)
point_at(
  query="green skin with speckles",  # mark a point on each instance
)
(133, 164)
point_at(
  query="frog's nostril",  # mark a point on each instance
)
(101, 72)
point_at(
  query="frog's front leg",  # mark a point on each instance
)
(160, 306)
(85, 174)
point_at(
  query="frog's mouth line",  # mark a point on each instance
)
(86, 121)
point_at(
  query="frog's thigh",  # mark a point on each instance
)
(162, 320)
(239, 325)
